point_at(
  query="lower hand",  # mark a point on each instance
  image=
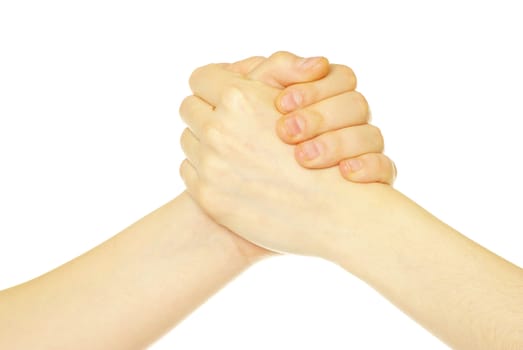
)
(246, 179)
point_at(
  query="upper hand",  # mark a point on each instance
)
(246, 179)
(328, 121)
(324, 116)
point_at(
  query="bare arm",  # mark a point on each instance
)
(464, 294)
(131, 289)
(467, 296)
(128, 291)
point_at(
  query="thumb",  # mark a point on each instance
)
(284, 68)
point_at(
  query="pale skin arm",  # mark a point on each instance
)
(127, 292)
(130, 290)
(461, 292)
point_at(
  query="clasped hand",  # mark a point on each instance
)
(246, 179)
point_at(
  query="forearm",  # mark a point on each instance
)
(461, 292)
(128, 291)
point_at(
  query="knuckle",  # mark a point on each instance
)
(377, 138)
(332, 146)
(374, 169)
(310, 93)
(212, 133)
(375, 163)
(184, 106)
(256, 59)
(314, 122)
(195, 75)
(301, 95)
(279, 56)
(362, 104)
(347, 75)
(253, 62)
(233, 97)
(384, 169)
(183, 138)
(247, 65)
(183, 167)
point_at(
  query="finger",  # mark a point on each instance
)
(195, 113)
(190, 146)
(209, 82)
(284, 68)
(370, 167)
(245, 66)
(341, 111)
(330, 148)
(189, 176)
(340, 79)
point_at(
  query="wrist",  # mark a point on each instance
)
(428, 270)
(218, 237)
(376, 222)
(390, 234)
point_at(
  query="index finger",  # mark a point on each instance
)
(340, 79)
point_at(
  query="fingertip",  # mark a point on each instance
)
(351, 169)
(310, 155)
(321, 68)
(368, 168)
(290, 100)
(282, 132)
(279, 104)
(299, 155)
(312, 68)
(316, 63)
(344, 170)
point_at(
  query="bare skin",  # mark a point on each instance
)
(130, 290)
(247, 180)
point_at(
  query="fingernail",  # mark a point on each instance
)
(352, 165)
(308, 150)
(291, 101)
(294, 126)
(308, 63)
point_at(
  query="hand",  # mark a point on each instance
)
(240, 173)
(332, 116)
(284, 69)
(281, 69)
(335, 130)
(246, 179)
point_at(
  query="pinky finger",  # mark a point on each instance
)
(369, 167)
(190, 177)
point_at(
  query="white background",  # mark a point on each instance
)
(89, 92)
